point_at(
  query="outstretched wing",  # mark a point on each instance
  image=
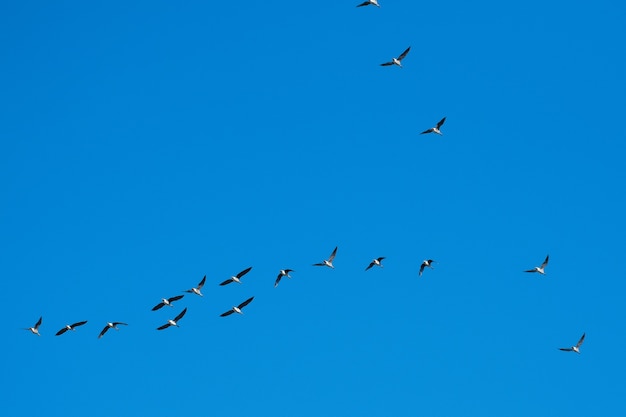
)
(227, 313)
(427, 131)
(228, 281)
(38, 322)
(245, 303)
(244, 272)
(172, 299)
(332, 255)
(80, 323)
(202, 282)
(369, 266)
(60, 332)
(580, 342)
(566, 349)
(103, 331)
(180, 316)
(403, 54)
(277, 280)
(165, 326)
(545, 263)
(441, 122)
(158, 306)
(422, 266)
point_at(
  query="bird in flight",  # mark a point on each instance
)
(436, 128)
(328, 262)
(167, 302)
(397, 61)
(173, 322)
(281, 274)
(70, 327)
(236, 278)
(111, 325)
(427, 263)
(575, 348)
(540, 269)
(35, 328)
(196, 290)
(368, 2)
(238, 308)
(377, 262)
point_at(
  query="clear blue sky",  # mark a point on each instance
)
(145, 144)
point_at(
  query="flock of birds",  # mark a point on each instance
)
(427, 263)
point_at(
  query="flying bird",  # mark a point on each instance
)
(236, 278)
(197, 289)
(397, 61)
(70, 327)
(436, 128)
(328, 262)
(427, 263)
(111, 325)
(368, 2)
(238, 308)
(173, 322)
(35, 328)
(281, 274)
(377, 262)
(167, 302)
(575, 348)
(540, 269)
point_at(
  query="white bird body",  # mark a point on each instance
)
(328, 262)
(540, 269)
(369, 2)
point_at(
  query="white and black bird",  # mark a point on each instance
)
(111, 325)
(238, 308)
(173, 322)
(328, 262)
(428, 263)
(369, 2)
(575, 348)
(236, 278)
(167, 302)
(540, 269)
(35, 328)
(397, 61)
(376, 262)
(282, 273)
(70, 327)
(436, 128)
(196, 290)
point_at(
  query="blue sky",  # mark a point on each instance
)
(145, 145)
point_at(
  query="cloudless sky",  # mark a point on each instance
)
(146, 144)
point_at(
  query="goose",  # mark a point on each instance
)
(167, 302)
(70, 327)
(368, 2)
(397, 61)
(427, 263)
(35, 328)
(575, 348)
(111, 325)
(540, 269)
(328, 262)
(197, 289)
(436, 128)
(281, 274)
(377, 262)
(173, 322)
(238, 308)
(236, 278)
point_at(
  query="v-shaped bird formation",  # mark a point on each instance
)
(238, 309)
